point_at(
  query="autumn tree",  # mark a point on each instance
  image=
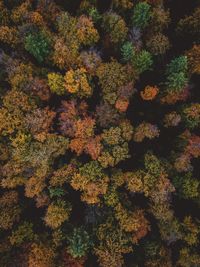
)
(57, 213)
(92, 181)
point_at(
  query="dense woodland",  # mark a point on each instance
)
(99, 133)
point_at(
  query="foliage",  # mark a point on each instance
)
(9, 35)
(86, 32)
(149, 92)
(10, 210)
(56, 83)
(145, 129)
(191, 115)
(141, 15)
(190, 24)
(112, 76)
(127, 51)
(40, 255)
(113, 244)
(78, 243)
(115, 26)
(172, 119)
(187, 187)
(142, 61)
(158, 44)
(39, 45)
(177, 74)
(133, 222)
(193, 56)
(187, 257)
(57, 213)
(23, 233)
(91, 60)
(76, 82)
(125, 4)
(160, 19)
(99, 140)
(92, 180)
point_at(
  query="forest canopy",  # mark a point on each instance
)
(99, 133)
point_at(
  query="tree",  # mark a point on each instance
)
(132, 222)
(48, 10)
(186, 186)
(92, 181)
(141, 15)
(38, 44)
(41, 255)
(34, 186)
(115, 145)
(136, 38)
(177, 74)
(67, 28)
(86, 32)
(78, 243)
(190, 24)
(170, 97)
(112, 136)
(4, 15)
(10, 210)
(66, 46)
(20, 13)
(76, 82)
(62, 175)
(39, 122)
(149, 92)
(106, 115)
(145, 130)
(91, 59)
(193, 146)
(9, 35)
(94, 14)
(172, 119)
(112, 76)
(65, 56)
(183, 163)
(191, 115)
(115, 27)
(142, 61)
(127, 51)
(20, 75)
(23, 233)
(188, 257)
(193, 56)
(56, 83)
(40, 88)
(157, 254)
(158, 44)
(69, 261)
(113, 244)
(42, 200)
(15, 105)
(134, 181)
(57, 213)
(124, 4)
(176, 81)
(190, 231)
(160, 19)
